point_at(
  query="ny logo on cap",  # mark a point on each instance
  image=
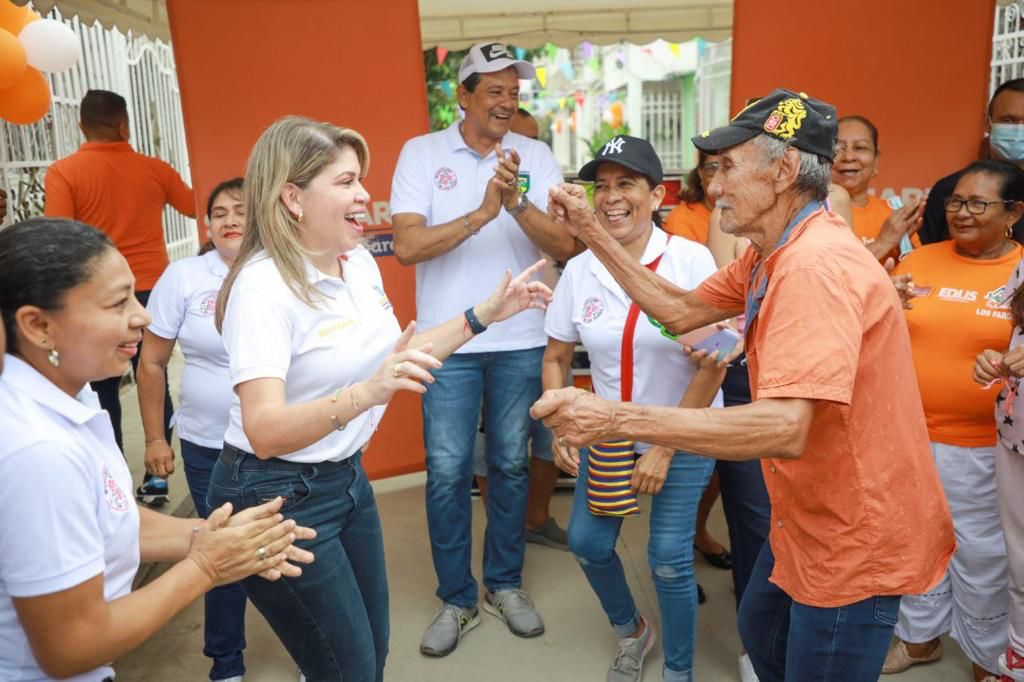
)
(613, 146)
(494, 51)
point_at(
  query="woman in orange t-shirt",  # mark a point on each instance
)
(960, 309)
(690, 218)
(856, 164)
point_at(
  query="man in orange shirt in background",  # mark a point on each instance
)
(859, 517)
(122, 193)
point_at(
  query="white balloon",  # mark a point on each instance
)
(50, 45)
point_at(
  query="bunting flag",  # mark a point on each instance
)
(595, 65)
(446, 86)
(561, 103)
(586, 49)
(542, 76)
(675, 49)
(567, 70)
(442, 53)
(520, 53)
(579, 97)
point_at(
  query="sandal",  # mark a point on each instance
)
(721, 560)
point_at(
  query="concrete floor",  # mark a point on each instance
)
(578, 643)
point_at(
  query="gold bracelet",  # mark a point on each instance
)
(338, 426)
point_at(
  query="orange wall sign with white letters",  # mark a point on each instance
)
(356, 64)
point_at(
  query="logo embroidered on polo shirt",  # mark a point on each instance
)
(335, 327)
(997, 298)
(592, 309)
(445, 179)
(523, 182)
(112, 493)
(208, 304)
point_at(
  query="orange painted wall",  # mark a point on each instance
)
(917, 68)
(357, 64)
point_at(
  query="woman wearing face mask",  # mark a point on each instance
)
(182, 304)
(634, 361)
(73, 536)
(959, 312)
(315, 356)
(856, 164)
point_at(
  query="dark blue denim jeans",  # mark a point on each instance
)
(224, 624)
(507, 383)
(793, 642)
(333, 619)
(748, 511)
(669, 553)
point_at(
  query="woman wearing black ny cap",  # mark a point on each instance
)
(633, 358)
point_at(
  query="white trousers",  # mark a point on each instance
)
(1010, 484)
(972, 601)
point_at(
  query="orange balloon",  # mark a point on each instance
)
(26, 101)
(12, 59)
(13, 18)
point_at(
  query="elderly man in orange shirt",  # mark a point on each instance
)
(858, 512)
(122, 193)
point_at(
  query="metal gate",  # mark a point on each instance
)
(662, 111)
(140, 69)
(714, 77)
(1007, 46)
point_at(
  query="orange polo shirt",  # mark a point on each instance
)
(861, 512)
(962, 315)
(689, 221)
(121, 193)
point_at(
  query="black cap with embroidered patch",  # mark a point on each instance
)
(630, 152)
(793, 117)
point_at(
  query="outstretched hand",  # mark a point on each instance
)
(515, 295)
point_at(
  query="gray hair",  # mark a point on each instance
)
(815, 172)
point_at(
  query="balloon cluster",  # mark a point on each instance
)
(29, 45)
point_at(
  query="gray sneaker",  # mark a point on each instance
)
(628, 665)
(449, 625)
(549, 534)
(516, 609)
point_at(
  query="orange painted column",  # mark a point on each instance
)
(918, 69)
(356, 64)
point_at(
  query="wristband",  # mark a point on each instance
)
(466, 225)
(475, 325)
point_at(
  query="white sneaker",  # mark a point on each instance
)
(302, 678)
(747, 673)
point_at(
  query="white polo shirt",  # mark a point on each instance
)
(66, 504)
(442, 179)
(183, 304)
(590, 307)
(271, 333)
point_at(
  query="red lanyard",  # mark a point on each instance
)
(627, 342)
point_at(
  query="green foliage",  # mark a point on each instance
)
(442, 81)
(605, 133)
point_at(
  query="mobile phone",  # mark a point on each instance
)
(906, 246)
(723, 341)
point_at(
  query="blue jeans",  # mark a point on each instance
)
(507, 383)
(748, 511)
(792, 642)
(669, 552)
(333, 619)
(224, 624)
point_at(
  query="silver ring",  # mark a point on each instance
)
(262, 552)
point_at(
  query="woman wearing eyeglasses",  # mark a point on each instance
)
(960, 308)
(690, 218)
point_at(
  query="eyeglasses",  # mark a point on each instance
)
(710, 168)
(974, 206)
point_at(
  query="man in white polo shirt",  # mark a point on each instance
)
(469, 203)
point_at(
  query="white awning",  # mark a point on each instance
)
(457, 24)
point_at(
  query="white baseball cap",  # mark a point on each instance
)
(491, 57)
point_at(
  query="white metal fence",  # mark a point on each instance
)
(714, 77)
(1007, 45)
(662, 112)
(140, 69)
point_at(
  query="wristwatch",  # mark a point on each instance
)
(524, 201)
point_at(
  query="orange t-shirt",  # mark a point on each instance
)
(861, 512)
(689, 221)
(961, 316)
(868, 219)
(121, 193)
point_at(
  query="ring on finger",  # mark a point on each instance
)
(397, 370)
(262, 553)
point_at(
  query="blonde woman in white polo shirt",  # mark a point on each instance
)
(315, 356)
(633, 358)
(183, 303)
(72, 535)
